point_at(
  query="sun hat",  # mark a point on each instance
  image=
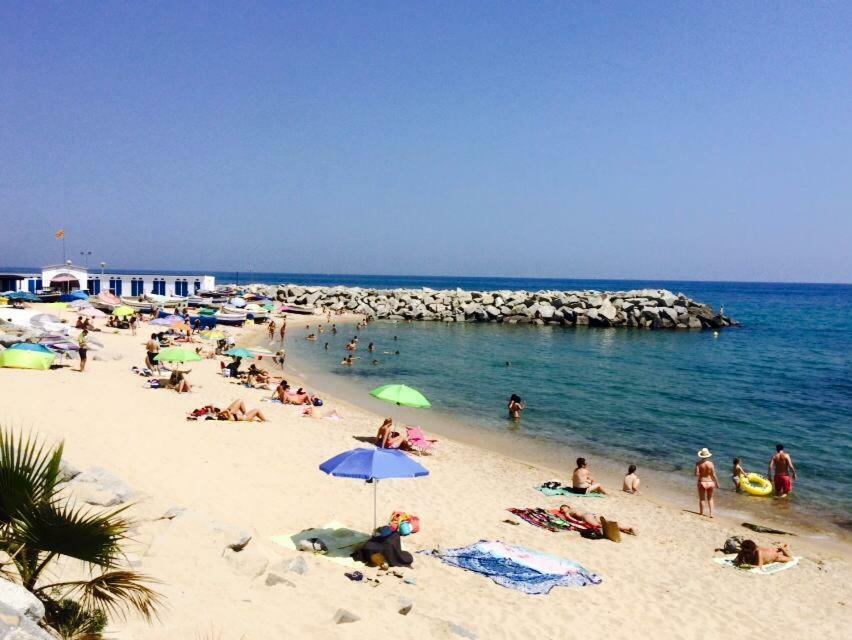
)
(704, 453)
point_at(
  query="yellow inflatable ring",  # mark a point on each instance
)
(755, 484)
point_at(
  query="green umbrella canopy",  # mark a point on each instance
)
(123, 310)
(176, 354)
(239, 353)
(402, 395)
(25, 359)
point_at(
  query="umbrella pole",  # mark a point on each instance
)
(375, 502)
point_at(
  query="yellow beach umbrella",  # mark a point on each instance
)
(123, 310)
(21, 359)
(212, 334)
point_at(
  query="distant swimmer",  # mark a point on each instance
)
(516, 406)
(375, 362)
(348, 360)
(782, 472)
(371, 347)
(508, 364)
(334, 328)
(705, 471)
(311, 336)
(326, 346)
(351, 346)
(394, 337)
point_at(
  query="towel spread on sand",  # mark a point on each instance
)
(518, 568)
(566, 491)
(550, 520)
(340, 541)
(767, 569)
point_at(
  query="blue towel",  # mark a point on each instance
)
(518, 568)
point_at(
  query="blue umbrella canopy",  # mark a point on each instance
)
(74, 295)
(29, 346)
(22, 295)
(373, 465)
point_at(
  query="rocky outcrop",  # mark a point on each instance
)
(641, 308)
(20, 614)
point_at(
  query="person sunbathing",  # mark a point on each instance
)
(178, 382)
(592, 519)
(388, 438)
(756, 556)
(256, 377)
(280, 392)
(237, 412)
(300, 397)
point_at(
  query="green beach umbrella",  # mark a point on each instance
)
(122, 310)
(239, 353)
(176, 354)
(400, 394)
(25, 359)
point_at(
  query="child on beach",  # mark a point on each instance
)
(737, 473)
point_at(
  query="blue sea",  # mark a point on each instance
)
(649, 397)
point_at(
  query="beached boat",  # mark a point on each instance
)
(139, 304)
(223, 317)
(105, 301)
(165, 301)
(294, 308)
(48, 295)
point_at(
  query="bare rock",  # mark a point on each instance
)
(342, 616)
(248, 562)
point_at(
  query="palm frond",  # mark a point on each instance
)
(115, 592)
(29, 471)
(59, 528)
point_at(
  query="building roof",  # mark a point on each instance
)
(65, 266)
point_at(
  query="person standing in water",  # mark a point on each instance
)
(705, 471)
(283, 331)
(271, 330)
(737, 474)
(516, 406)
(784, 472)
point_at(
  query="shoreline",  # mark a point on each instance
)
(670, 489)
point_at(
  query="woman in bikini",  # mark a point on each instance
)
(387, 438)
(592, 519)
(237, 412)
(756, 556)
(705, 471)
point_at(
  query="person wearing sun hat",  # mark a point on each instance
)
(705, 471)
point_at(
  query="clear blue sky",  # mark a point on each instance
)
(703, 140)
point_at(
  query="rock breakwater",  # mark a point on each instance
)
(641, 308)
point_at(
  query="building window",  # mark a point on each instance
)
(159, 287)
(35, 284)
(181, 288)
(196, 286)
(94, 286)
(115, 286)
(137, 287)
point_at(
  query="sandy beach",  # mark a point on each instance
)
(263, 478)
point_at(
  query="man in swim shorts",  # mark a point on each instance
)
(784, 472)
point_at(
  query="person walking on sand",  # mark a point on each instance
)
(705, 471)
(271, 330)
(283, 331)
(83, 348)
(784, 472)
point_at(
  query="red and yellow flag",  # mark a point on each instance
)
(60, 234)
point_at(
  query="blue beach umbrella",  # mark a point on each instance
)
(373, 465)
(22, 295)
(74, 295)
(239, 353)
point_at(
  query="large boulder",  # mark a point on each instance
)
(98, 486)
(20, 601)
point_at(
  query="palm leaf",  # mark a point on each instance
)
(115, 592)
(77, 532)
(29, 472)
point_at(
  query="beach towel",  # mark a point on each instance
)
(767, 569)
(517, 568)
(550, 520)
(339, 540)
(566, 491)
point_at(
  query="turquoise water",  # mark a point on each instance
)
(653, 398)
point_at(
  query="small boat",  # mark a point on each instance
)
(140, 304)
(294, 308)
(105, 301)
(229, 318)
(48, 295)
(165, 301)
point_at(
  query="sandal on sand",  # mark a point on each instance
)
(355, 576)
(507, 521)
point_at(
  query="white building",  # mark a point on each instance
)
(69, 277)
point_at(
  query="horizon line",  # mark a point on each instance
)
(445, 276)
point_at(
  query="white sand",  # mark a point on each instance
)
(264, 478)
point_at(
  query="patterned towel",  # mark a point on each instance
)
(566, 491)
(518, 568)
(550, 520)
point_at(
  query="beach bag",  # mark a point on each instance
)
(317, 402)
(399, 517)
